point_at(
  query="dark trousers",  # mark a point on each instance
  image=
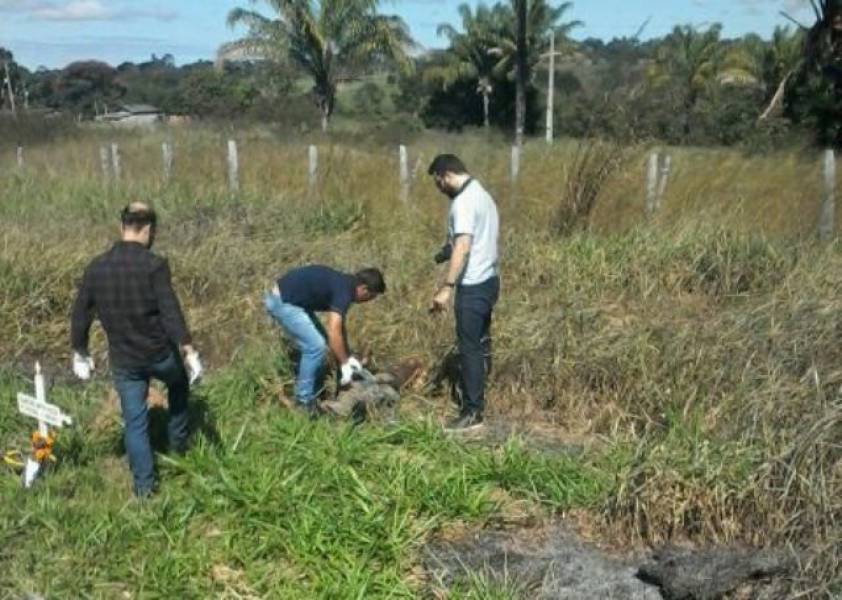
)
(473, 306)
(132, 386)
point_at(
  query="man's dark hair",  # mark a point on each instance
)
(372, 279)
(138, 218)
(446, 163)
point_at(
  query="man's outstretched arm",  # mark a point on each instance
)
(336, 337)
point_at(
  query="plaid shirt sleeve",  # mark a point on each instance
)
(82, 316)
(171, 316)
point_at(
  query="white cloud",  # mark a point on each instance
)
(76, 10)
(82, 10)
(159, 14)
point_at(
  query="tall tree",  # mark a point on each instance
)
(470, 53)
(521, 76)
(823, 44)
(815, 96)
(87, 87)
(327, 39)
(541, 18)
(687, 61)
(485, 49)
(781, 60)
(13, 79)
(524, 37)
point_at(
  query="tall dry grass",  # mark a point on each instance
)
(700, 347)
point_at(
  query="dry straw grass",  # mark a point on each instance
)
(702, 346)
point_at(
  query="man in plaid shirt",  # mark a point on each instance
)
(129, 289)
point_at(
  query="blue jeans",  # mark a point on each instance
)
(133, 386)
(474, 305)
(304, 329)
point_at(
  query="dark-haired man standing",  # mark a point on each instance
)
(471, 254)
(293, 302)
(129, 289)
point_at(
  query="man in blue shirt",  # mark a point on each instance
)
(293, 302)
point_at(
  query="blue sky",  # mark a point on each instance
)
(56, 32)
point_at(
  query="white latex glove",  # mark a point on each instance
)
(83, 366)
(348, 369)
(356, 365)
(346, 374)
(194, 366)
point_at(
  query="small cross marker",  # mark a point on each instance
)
(46, 414)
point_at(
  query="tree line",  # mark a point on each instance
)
(691, 86)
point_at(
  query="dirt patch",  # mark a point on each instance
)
(553, 562)
(683, 573)
(550, 562)
(535, 435)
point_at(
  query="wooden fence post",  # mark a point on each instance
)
(233, 168)
(104, 161)
(404, 173)
(115, 161)
(166, 149)
(515, 163)
(652, 184)
(312, 167)
(828, 210)
(663, 177)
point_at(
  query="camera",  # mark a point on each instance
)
(443, 255)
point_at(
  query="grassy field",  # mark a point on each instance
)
(696, 353)
(266, 504)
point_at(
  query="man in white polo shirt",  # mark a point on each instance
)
(471, 254)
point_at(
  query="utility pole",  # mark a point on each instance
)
(551, 85)
(9, 89)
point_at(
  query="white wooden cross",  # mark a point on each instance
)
(47, 414)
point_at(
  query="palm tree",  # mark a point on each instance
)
(782, 60)
(523, 40)
(689, 60)
(823, 41)
(486, 47)
(744, 61)
(470, 54)
(327, 39)
(541, 18)
(814, 94)
(521, 74)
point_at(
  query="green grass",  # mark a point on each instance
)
(478, 586)
(266, 503)
(695, 352)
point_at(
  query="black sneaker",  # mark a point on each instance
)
(465, 422)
